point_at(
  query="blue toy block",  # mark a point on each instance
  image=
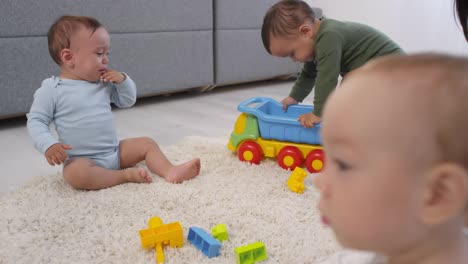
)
(204, 242)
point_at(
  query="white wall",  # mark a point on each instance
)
(416, 25)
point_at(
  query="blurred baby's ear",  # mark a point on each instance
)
(446, 194)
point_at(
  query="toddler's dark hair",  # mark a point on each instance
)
(61, 31)
(283, 18)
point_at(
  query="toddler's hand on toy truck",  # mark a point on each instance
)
(56, 154)
(287, 102)
(308, 120)
(112, 76)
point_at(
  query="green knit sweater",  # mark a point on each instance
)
(340, 48)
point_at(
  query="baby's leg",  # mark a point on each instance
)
(83, 173)
(134, 150)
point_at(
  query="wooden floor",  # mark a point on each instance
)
(167, 119)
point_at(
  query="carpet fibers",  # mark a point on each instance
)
(47, 221)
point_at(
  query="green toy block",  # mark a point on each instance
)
(250, 253)
(219, 232)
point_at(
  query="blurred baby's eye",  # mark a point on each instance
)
(342, 166)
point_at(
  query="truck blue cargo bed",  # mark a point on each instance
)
(276, 124)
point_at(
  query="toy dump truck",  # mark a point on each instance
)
(263, 129)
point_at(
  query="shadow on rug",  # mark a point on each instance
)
(47, 221)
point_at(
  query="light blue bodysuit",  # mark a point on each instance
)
(82, 115)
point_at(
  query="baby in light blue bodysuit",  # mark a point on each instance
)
(79, 101)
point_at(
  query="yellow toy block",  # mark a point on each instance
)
(219, 232)
(159, 234)
(296, 180)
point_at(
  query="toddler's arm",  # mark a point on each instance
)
(309, 119)
(305, 83)
(329, 55)
(41, 115)
(287, 102)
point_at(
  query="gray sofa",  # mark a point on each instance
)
(165, 46)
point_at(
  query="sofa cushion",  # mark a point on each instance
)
(25, 63)
(163, 62)
(26, 18)
(241, 57)
(158, 63)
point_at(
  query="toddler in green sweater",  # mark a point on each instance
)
(328, 48)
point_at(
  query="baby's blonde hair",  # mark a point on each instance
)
(61, 31)
(439, 84)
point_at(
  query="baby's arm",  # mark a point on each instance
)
(124, 94)
(113, 76)
(57, 154)
(40, 116)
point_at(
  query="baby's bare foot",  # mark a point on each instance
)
(184, 171)
(139, 175)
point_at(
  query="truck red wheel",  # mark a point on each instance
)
(290, 158)
(250, 151)
(315, 161)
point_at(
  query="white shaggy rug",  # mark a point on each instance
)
(47, 221)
